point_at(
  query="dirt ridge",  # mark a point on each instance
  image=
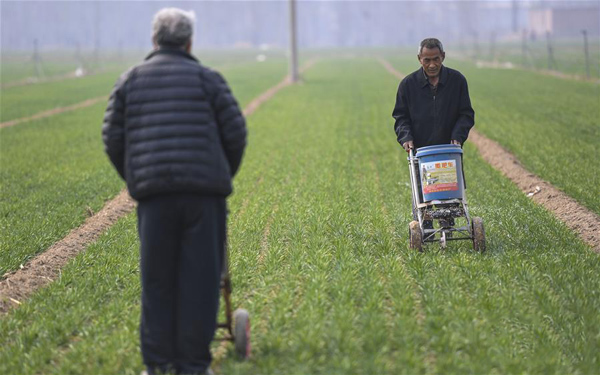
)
(575, 216)
(54, 111)
(57, 78)
(513, 66)
(17, 286)
(256, 102)
(45, 267)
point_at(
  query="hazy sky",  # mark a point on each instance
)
(127, 24)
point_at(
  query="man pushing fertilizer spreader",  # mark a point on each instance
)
(433, 105)
(433, 108)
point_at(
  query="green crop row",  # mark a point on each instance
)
(568, 55)
(16, 68)
(23, 101)
(54, 171)
(552, 125)
(319, 256)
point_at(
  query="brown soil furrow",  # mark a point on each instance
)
(255, 103)
(253, 106)
(53, 112)
(386, 64)
(58, 78)
(309, 64)
(511, 66)
(45, 268)
(569, 211)
(578, 218)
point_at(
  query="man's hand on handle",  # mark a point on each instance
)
(455, 142)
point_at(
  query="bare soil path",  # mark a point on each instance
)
(57, 78)
(568, 210)
(17, 286)
(508, 65)
(578, 218)
(55, 111)
(45, 268)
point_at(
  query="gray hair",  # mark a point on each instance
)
(430, 43)
(173, 27)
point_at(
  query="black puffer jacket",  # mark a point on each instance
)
(172, 125)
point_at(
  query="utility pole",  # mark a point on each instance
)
(97, 35)
(37, 61)
(475, 45)
(293, 45)
(493, 46)
(120, 52)
(79, 57)
(515, 16)
(551, 61)
(587, 53)
(523, 47)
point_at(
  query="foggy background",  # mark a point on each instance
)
(126, 25)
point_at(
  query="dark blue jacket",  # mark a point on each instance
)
(428, 119)
(173, 126)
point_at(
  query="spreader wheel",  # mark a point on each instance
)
(241, 333)
(415, 236)
(478, 235)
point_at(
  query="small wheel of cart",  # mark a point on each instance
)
(415, 236)
(478, 234)
(241, 333)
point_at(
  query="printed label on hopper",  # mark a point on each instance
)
(439, 176)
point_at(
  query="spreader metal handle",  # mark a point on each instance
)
(413, 180)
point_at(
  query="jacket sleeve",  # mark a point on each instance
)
(466, 115)
(230, 120)
(113, 131)
(401, 114)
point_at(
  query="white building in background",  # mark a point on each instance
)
(565, 21)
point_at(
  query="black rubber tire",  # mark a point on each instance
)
(478, 235)
(241, 333)
(415, 238)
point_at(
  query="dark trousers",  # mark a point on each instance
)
(182, 241)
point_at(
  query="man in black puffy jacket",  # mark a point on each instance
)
(176, 135)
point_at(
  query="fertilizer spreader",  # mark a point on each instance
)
(237, 324)
(438, 193)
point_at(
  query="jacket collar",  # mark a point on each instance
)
(423, 77)
(170, 51)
